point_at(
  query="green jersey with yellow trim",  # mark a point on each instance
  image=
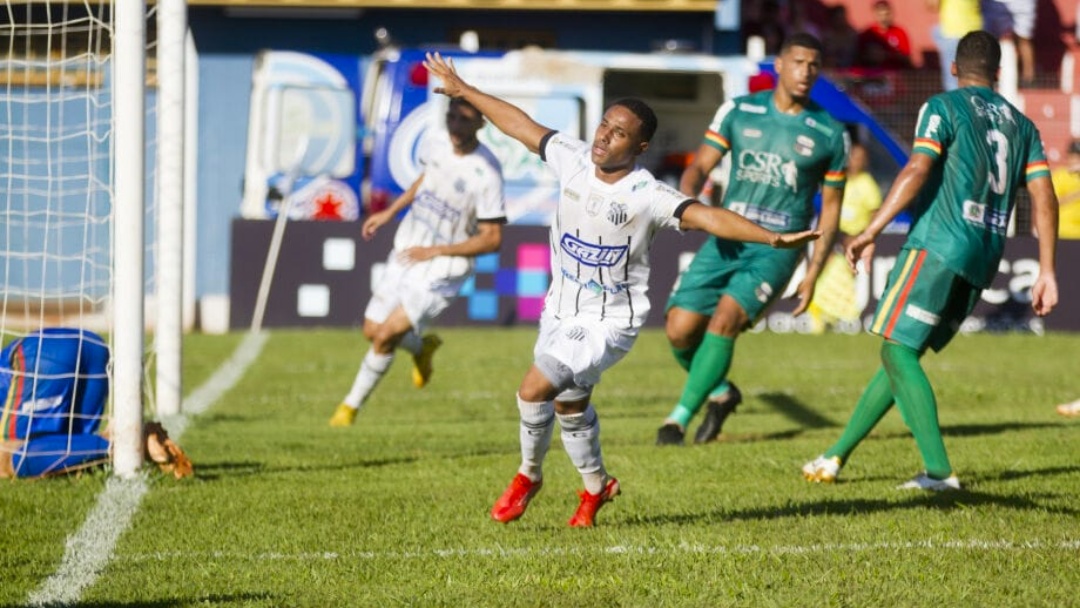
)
(984, 149)
(778, 160)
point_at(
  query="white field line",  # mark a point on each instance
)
(674, 550)
(88, 551)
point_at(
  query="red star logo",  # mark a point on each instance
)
(328, 207)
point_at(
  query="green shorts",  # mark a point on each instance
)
(924, 302)
(753, 274)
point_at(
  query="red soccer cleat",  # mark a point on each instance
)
(511, 505)
(585, 516)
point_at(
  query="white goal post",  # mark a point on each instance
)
(92, 202)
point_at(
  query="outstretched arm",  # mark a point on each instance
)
(1044, 211)
(734, 227)
(506, 117)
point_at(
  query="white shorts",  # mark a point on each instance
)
(586, 347)
(409, 287)
(1004, 16)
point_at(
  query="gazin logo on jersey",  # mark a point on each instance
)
(592, 255)
(428, 206)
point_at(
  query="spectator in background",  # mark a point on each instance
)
(955, 18)
(1014, 20)
(884, 44)
(1067, 187)
(801, 20)
(834, 294)
(764, 19)
(839, 39)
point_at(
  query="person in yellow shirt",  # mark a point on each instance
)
(955, 18)
(1067, 187)
(834, 294)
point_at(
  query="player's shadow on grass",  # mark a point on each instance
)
(1015, 474)
(974, 430)
(755, 437)
(944, 501)
(232, 470)
(971, 430)
(796, 410)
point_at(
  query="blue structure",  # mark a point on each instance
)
(228, 43)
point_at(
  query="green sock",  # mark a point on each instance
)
(710, 366)
(685, 356)
(875, 401)
(915, 398)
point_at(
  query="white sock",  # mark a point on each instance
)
(412, 342)
(537, 424)
(581, 440)
(372, 369)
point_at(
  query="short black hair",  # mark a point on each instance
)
(643, 112)
(803, 39)
(978, 54)
(461, 101)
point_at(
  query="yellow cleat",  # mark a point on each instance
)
(422, 369)
(344, 415)
(822, 469)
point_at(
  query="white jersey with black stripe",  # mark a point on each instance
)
(457, 191)
(601, 234)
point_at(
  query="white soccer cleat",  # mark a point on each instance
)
(822, 469)
(922, 481)
(1069, 410)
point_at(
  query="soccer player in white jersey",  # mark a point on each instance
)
(608, 212)
(457, 214)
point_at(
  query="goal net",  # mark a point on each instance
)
(77, 239)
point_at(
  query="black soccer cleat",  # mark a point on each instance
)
(716, 413)
(669, 434)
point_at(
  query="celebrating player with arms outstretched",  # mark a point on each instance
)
(608, 212)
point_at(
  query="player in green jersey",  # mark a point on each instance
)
(973, 151)
(783, 148)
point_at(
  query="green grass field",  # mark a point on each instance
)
(286, 511)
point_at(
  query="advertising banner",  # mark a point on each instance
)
(325, 271)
